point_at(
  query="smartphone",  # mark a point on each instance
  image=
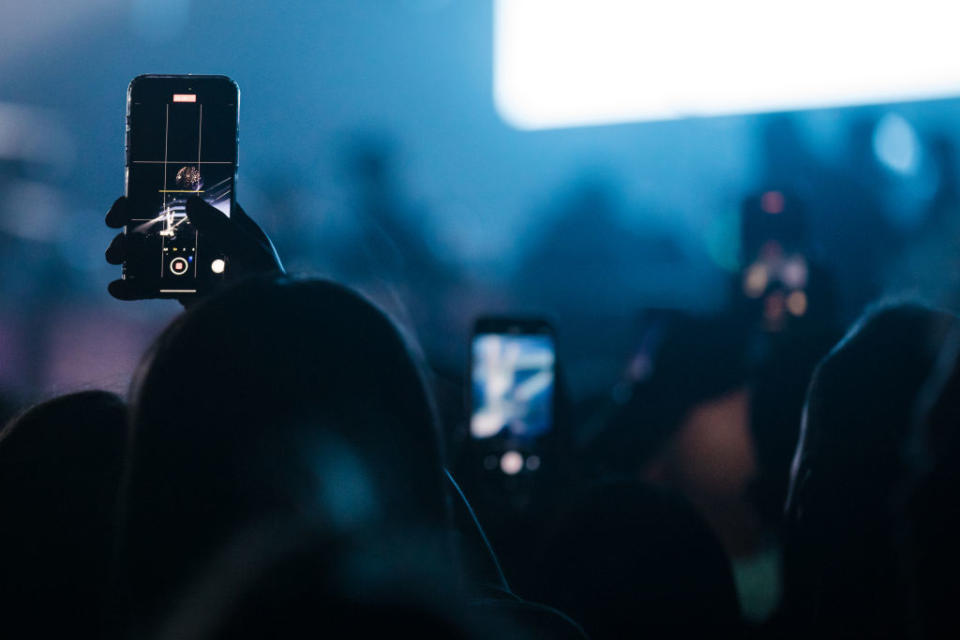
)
(512, 374)
(181, 142)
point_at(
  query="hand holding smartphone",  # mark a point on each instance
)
(184, 235)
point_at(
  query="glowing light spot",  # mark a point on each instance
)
(772, 202)
(533, 463)
(755, 280)
(218, 266)
(485, 424)
(797, 303)
(794, 273)
(771, 250)
(773, 308)
(896, 145)
(511, 463)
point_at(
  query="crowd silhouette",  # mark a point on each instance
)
(281, 467)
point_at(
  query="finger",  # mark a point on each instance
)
(119, 213)
(211, 222)
(124, 290)
(117, 251)
(242, 220)
(252, 229)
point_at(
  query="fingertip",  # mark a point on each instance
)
(196, 203)
(118, 289)
(117, 249)
(122, 290)
(210, 221)
(117, 215)
(198, 211)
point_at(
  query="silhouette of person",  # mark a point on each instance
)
(60, 468)
(929, 499)
(275, 399)
(841, 570)
(628, 560)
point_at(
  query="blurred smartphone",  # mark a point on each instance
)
(181, 142)
(512, 365)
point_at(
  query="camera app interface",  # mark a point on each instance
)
(180, 145)
(512, 384)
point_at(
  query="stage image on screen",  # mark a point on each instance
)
(512, 381)
(178, 149)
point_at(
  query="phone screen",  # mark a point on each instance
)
(181, 142)
(512, 384)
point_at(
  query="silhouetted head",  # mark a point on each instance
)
(627, 560)
(931, 501)
(685, 361)
(289, 580)
(60, 468)
(275, 399)
(842, 575)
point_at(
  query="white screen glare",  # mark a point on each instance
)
(564, 63)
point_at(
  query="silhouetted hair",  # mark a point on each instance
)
(60, 468)
(275, 399)
(841, 573)
(931, 502)
(288, 581)
(628, 560)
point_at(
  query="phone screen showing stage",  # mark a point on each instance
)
(181, 142)
(512, 385)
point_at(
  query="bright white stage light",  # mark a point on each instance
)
(561, 63)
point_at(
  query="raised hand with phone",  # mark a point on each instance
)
(248, 249)
(183, 233)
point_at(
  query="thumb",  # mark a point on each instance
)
(213, 224)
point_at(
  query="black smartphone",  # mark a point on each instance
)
(181, 142)
(512, 379)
